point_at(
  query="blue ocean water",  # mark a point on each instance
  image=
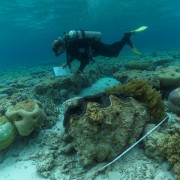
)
(29, 27)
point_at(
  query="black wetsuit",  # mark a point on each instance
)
(86, 48)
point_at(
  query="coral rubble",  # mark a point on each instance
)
(164, 143)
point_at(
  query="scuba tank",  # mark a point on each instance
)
(80, 34)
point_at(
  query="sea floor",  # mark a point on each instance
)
(21, 160)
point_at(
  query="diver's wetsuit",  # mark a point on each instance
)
(86, 48)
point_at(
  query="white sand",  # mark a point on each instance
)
(99, 86)
(18, 165)
(135, 165)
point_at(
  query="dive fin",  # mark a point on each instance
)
(134, 49)
(142, 28)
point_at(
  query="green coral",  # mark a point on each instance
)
(7, 133)
(170, 147)
(143, 92)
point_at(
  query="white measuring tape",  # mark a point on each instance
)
(127, 150)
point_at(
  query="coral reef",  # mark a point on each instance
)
(162, 78)
(26, 116)
(162, 62)
(152, 142)
(103, 126)
(46, 164)
(130, 75)
(60, 89)
(140, 90)
(4, 104)
(52, 113)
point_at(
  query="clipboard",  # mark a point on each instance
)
(60, 71)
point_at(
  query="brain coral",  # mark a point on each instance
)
(103, 126)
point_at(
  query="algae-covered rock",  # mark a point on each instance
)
(103, 126)
(170, 77)
(144, 65)
(142, 91)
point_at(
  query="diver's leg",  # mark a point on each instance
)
(118, 46)
(114, 49)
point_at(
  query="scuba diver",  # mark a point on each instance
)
(85, 45)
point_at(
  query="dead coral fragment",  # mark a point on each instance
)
(140, 90)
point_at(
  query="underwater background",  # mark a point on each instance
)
(29, 27)
(119, 119)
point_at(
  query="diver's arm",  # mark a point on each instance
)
(67, 64)
(64, 65)
(69, 59)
